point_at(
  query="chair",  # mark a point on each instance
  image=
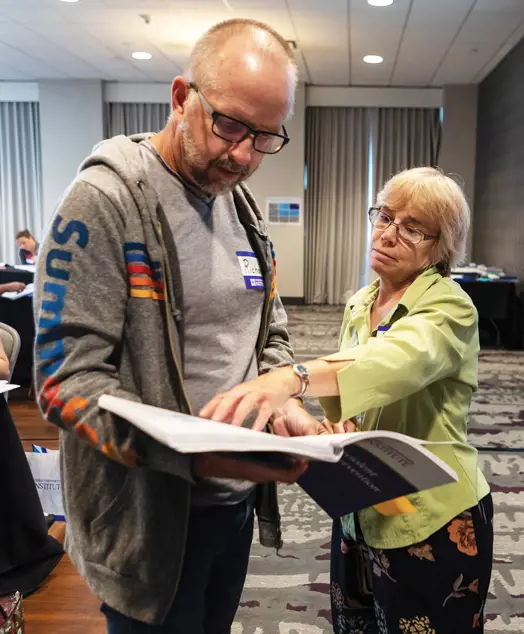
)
(11, 342)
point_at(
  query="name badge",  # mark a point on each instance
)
(250, 270)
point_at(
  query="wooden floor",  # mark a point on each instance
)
(64, 604)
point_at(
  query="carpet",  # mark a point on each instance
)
(288, 593)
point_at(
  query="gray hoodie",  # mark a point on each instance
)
(126, 496)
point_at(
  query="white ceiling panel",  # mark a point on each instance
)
(429, 33)
(10, 73)
(375, 31)
(26, 64)
(423, 42)
(511, 42)
(57, 56)
(483, 34)
(321, 32)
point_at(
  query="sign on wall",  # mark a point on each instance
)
(283, 211)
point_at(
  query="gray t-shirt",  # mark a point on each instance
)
(223, 299)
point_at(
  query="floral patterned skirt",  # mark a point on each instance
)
(436, 587)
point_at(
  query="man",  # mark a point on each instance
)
(156, 283)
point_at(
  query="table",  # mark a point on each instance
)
(16, 275)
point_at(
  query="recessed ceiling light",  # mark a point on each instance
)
(142, 55)
(69, 0)
(373, 59)
(380, 3)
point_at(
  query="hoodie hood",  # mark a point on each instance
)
(122, 156)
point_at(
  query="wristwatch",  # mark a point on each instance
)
(305, 378)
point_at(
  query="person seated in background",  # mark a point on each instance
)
(11, 287)
(28, 247)
(407, 363)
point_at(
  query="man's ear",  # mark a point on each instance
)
(179, 93)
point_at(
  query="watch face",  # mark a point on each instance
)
(302, 369)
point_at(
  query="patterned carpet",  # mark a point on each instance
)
(289, 593)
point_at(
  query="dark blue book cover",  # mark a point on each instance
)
(357, 481)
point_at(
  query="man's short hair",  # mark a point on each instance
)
(204, 51)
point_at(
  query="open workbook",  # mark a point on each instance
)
(347, 472)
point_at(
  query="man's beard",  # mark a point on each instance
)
(199, 169)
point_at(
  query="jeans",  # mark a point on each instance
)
(213, 574)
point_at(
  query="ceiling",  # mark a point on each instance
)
(423, 42)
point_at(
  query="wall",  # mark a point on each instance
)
(71, 120)
(283, 175)
(459, 139)
(499, 194)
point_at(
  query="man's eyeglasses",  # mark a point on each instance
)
(236, 131)
(382, 221)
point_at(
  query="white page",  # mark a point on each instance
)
(30, 268)
(189, 434)
(7, 387)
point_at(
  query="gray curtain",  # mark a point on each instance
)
(405, 137)
(132, 118)
(20, 175)
(337, 160)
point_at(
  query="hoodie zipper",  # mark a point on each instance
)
(167, 304)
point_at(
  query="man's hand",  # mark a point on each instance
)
(209, 465)
(293, 420)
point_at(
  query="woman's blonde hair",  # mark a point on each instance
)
(438, 199)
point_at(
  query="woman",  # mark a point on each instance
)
(28, 247)
(407, 363)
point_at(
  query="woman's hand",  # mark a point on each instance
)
(342, 427)
(267, 393)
